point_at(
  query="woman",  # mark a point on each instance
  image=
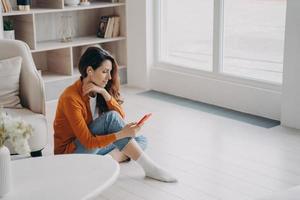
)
(89, 118)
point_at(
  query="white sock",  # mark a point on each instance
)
(152, 170)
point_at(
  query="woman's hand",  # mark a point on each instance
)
(92, 88)
(130, 130)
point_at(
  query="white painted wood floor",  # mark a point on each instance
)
(213, 157)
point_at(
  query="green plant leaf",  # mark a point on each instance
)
(8, 25)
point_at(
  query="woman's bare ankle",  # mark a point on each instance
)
(119, 156)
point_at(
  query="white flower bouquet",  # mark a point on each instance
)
(16, 131)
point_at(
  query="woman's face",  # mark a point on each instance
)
(101, 75)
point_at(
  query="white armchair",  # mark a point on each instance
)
(32, 94)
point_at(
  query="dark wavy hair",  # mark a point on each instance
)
(94, 57)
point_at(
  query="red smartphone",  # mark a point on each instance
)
(142, 121)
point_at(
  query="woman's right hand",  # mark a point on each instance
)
(130, 130)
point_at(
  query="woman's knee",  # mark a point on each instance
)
(112, 115)
(106, 123)
(113, 121)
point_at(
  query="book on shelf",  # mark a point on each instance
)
(9, 5)
(6, 6)
(109, 27)
(1, 6)
(116, 28)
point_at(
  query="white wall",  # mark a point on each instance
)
(137, 12)
(290, 112)
(1, 24)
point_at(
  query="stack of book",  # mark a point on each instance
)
(5, 6)
(109, 27)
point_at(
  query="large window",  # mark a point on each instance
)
(252, 42)
(187, 33)
(254, 38)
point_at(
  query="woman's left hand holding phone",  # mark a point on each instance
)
(130, 130)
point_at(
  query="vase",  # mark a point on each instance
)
(66, 28)
(5, 171)
(10, 35)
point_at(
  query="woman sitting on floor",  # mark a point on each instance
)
(89, 118)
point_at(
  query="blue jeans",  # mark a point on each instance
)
(109, 122)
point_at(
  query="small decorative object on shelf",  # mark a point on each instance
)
(9, 32)
(72, 2)
(17, 132)
(66, 28)
(24, 5)
(84, 2)
(109, 27)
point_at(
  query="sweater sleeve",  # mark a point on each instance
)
(114, 105)
(74, 115)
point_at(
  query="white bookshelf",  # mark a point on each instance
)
(57, 60)
(93, 5)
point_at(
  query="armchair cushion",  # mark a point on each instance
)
(9, 82)
(39, 124)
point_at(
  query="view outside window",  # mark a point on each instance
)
(188, 33)
(254, 38)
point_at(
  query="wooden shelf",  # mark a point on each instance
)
(93, 5)
(122, 67)
(79, 41)
(76, 72)
(16, 12)
(52, 76)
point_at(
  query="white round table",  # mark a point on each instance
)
(72, 176)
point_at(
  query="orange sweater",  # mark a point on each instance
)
(73, 115)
